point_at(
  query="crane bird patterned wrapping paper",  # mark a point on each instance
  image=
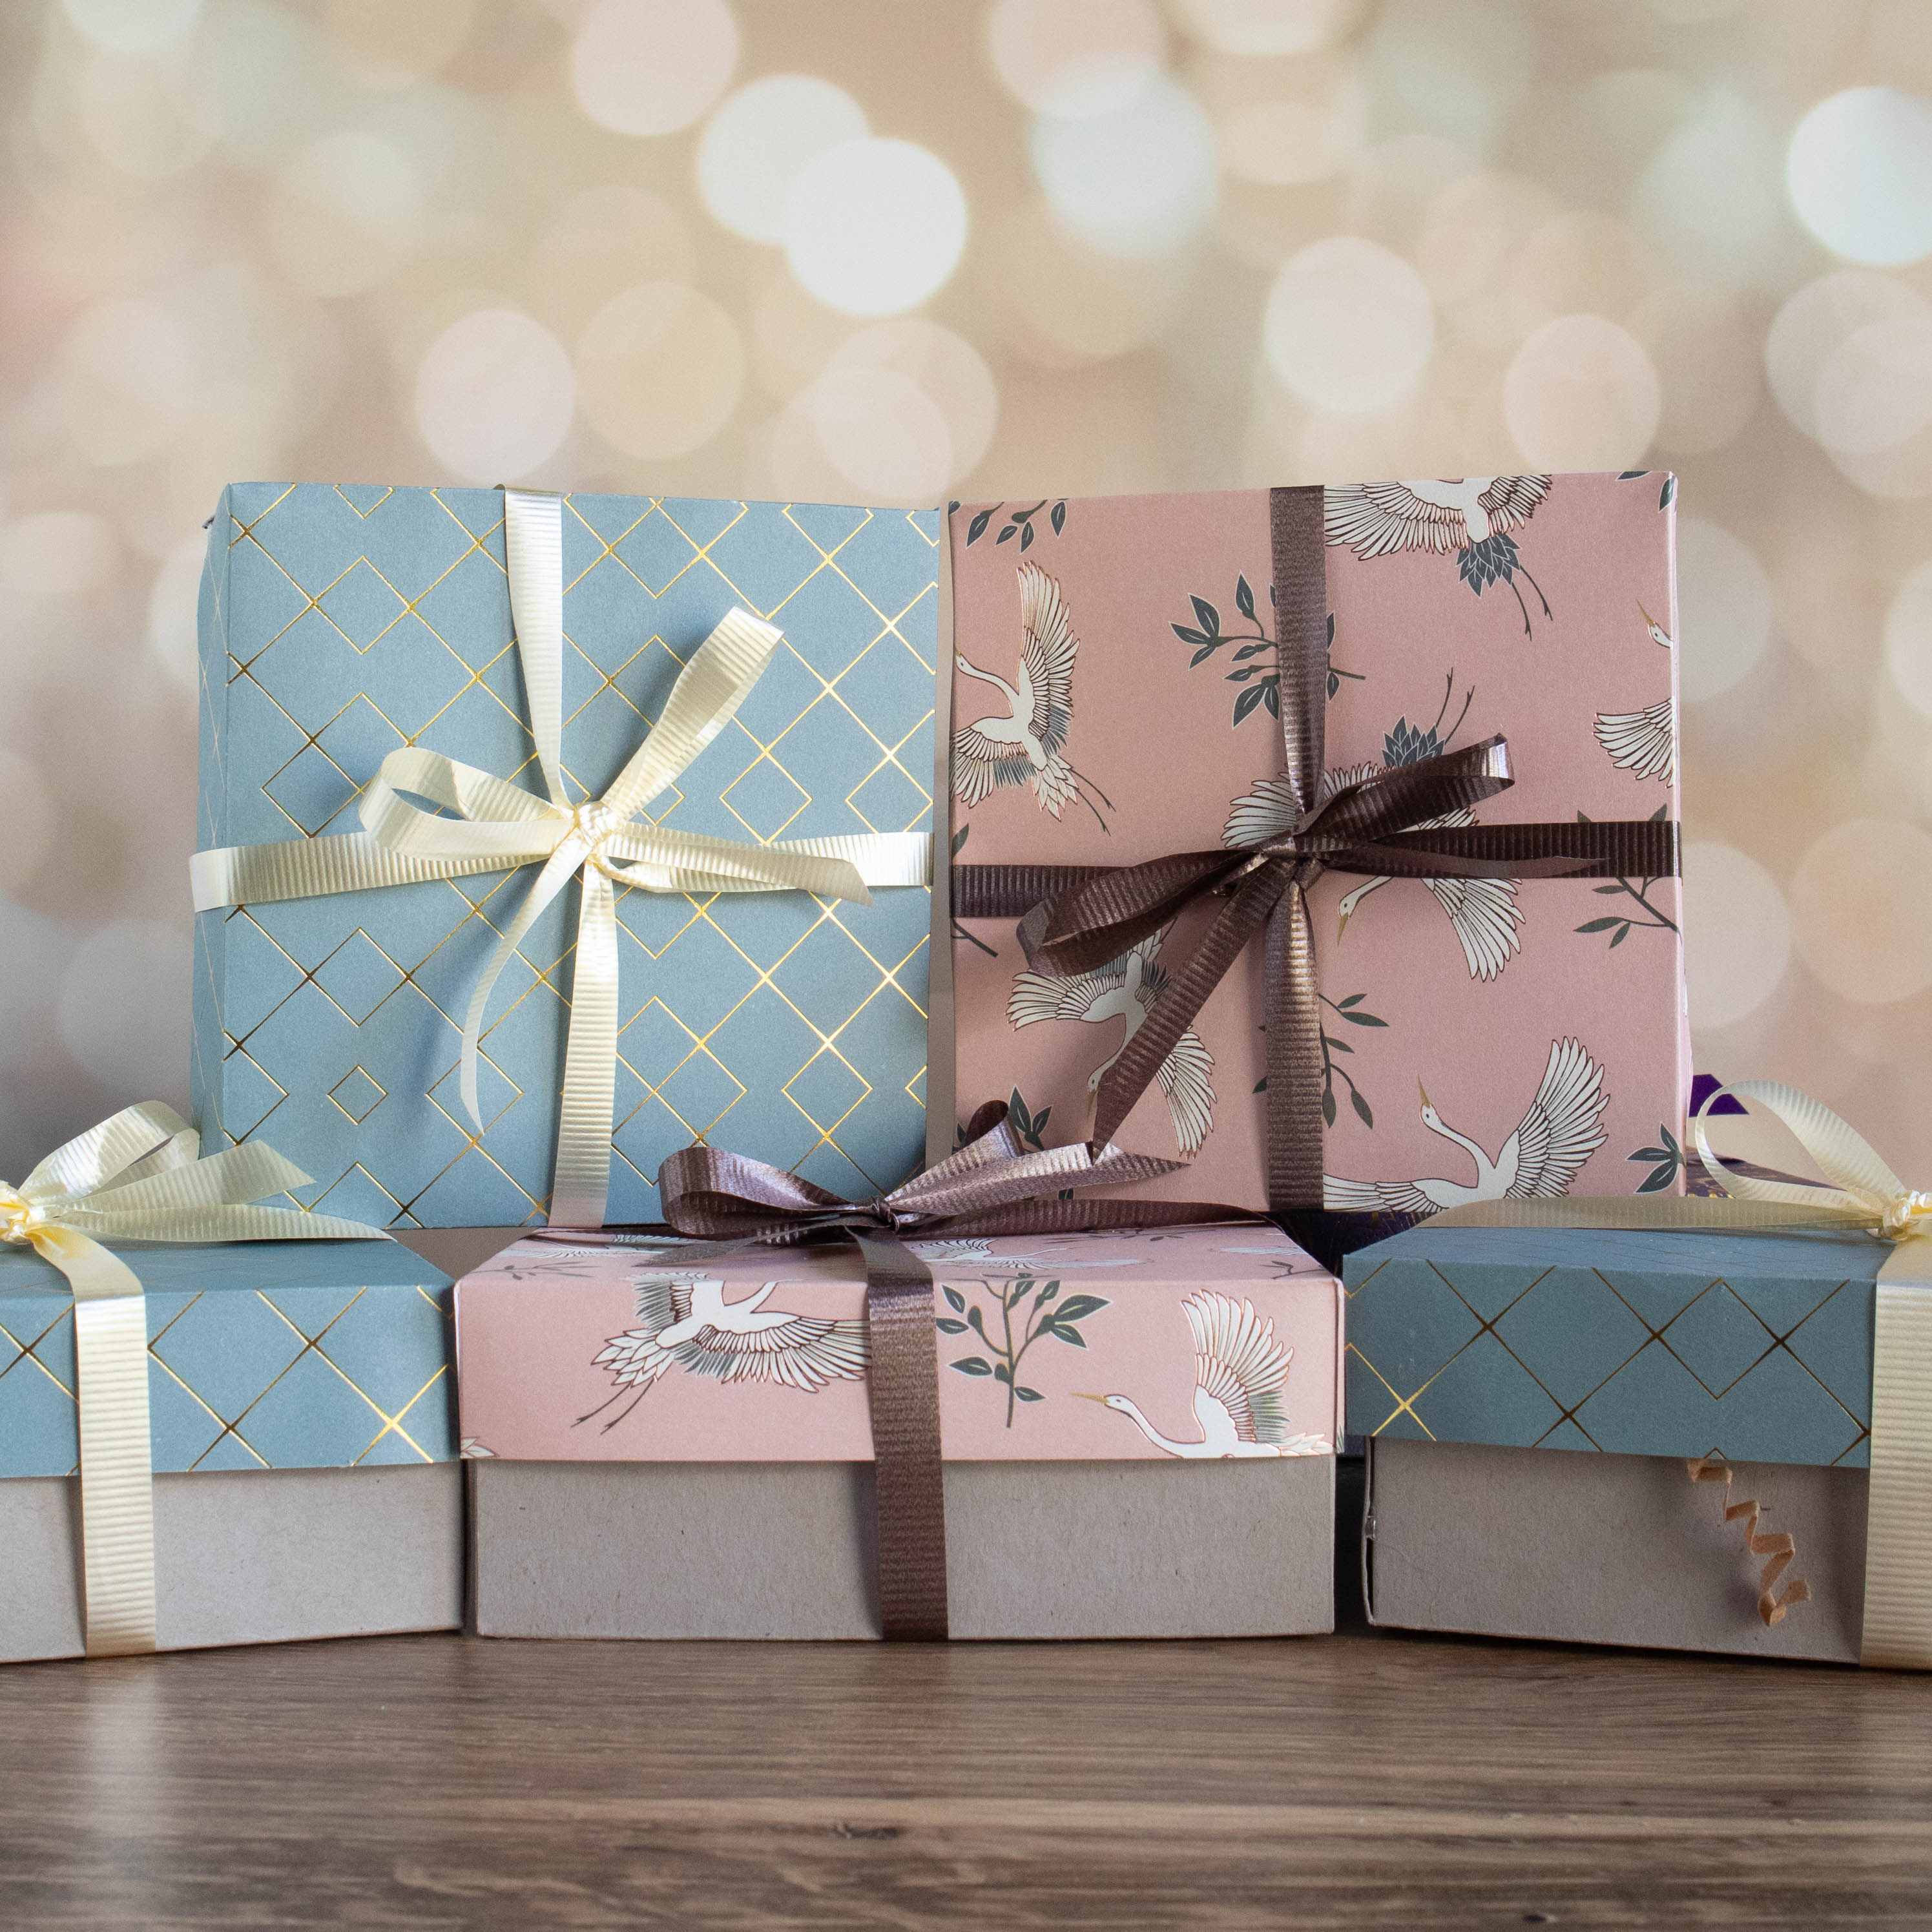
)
(339, 623)
(1200, 1343)
(1114, 699)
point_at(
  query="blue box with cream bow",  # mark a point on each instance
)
(544, 835)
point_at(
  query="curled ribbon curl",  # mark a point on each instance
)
(481, 824)
(136, 1177)
(1779, 1548)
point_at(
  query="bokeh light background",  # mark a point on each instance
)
(865, 250)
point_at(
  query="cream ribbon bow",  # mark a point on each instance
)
(1864, 1193)
(500, 827)
(136, 1177)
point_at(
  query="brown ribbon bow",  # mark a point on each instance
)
(730, 1202)
(1076, 918)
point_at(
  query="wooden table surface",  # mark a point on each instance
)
(1362, 1780)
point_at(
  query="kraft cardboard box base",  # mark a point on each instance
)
(248, 1556)
(1607, 1548)
(784, 1549)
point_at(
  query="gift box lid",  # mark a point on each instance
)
(615, 1353)
(1756, 1346)
(261, 1354)
(339, 623)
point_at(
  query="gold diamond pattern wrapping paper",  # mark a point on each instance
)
(339, 623)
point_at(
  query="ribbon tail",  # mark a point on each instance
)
(117, 1489)
(1183, 996)
(1294, 1061)
(533, 552)
(908, 1467)
(580, 1182)
(565, 860)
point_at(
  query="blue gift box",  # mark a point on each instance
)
(338, 624)
(1756, 1346)
(261, 1355)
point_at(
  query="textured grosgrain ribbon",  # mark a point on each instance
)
(991, 1182)
(498, 826)
(136, 1177)
(1078, 918)
(1863, 1194)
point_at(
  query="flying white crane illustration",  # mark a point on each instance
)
(1240, 1373)
(1644, 741)
(1027, 746)
(1560, 1132)
(685, 1321)
(1483, 912)
(1471, 515)
(1126, 989)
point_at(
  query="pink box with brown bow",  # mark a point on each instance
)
(1129, 677)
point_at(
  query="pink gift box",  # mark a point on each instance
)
(1487, 1036)
(660, 1450)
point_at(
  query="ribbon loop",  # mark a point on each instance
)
(136, 1177)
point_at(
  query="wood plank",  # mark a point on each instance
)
(1364, 1779)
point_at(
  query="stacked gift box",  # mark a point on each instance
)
(566, 879)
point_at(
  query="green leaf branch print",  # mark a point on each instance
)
(1015, 1315)
(1620, 924)
(1255, 657)
(1667, 1163)
(1019, 523)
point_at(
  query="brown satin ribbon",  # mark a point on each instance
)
(1074, 918)
(990, 1185)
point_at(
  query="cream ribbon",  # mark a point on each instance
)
(1865, 1194)
(500, 827)
(136, 1177)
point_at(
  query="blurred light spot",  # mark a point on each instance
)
(1875, 389)
(1348, 326)
(1737, 934)
(947, 370)
(598, 242)
(1709, 194)
(124, 1006)
(651, 66)
(1908, 637)
(390, 45)
(134, 26)
(793, 336)
(1724, 609)
(57, 555)
(127, 380)
(1862, 927)
(494, 396)
(660, 368)
(883, 432)
(1578, 262)
(1283, 142)
(1811, 327)
(1693, 13)
(173, 606)
(1581, 394)
(1075, 57)
(1454, 68)
(1472, 233)
(1704, 354)
(343, 214)
(760, 141)
(1067, 303)
(1137, 180)
(873, 226)
(1860, 172)
(1265, 26)
(27, 811)
(136, 118)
